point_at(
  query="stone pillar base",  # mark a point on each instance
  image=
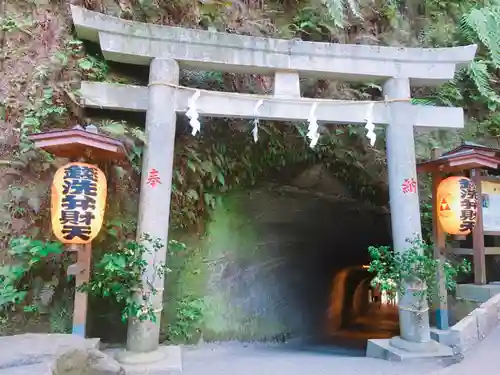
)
(414, 347)
(165, 358)
(397, 349)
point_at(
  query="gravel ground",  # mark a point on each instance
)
(273, 359)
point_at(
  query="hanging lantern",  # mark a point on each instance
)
(457, 203)
(78, 202)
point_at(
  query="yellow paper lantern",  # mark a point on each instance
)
(456, 205)
(77, 203)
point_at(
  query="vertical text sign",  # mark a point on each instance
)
(78, 202)
(468, 205)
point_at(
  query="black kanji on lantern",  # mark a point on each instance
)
(467, 220)
(468, 204)
(86, 187)
(76, 217)
(79, 172)
(73, 202)
(70, 232)
(467, 189)
(80, 187)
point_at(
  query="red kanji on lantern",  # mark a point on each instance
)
(153, 178)
(409, 185)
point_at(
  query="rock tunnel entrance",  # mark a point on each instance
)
(282, 263)
(288, 264)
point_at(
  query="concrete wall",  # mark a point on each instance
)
(483, 316)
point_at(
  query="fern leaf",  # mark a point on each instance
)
(478, 73)
(482, 25)
(467, 30)
(353, 6)
(450, 94)
(336, 10)
(493, 27)
(424, 101)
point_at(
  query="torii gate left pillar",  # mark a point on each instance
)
(163, 47)
(154, 203)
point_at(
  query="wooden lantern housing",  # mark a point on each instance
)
(468, 159)
(78, 142)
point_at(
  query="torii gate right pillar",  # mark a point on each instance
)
(404, 204)
(406, 228)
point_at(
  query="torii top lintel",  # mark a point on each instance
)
(137, 43)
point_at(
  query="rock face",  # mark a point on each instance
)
(54, 354)
(273, 256)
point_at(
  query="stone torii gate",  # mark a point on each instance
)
(165, 49)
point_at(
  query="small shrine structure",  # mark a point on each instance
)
(80, 144)
(478, 163)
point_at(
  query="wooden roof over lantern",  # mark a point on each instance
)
(80, 142)
(464, 157)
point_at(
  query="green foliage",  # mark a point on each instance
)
(27, 255)
(93, 68)
(337, 8)
(134, 137)
(119, 274)
(188, 314)
(61, 315)
(44, 109)
(312, 23)
(426, 213)
(224, 158)
(185, 305)
(48, 102)
(10, 24)
(481, 26)
(21, 202)
(207, 167)
(476, 86)
(416, 264)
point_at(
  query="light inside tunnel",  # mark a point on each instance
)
(381, 296)
(368, 312)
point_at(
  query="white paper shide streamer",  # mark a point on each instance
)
(192, 113)
(255, 130)
(370, 134)
(313, 133)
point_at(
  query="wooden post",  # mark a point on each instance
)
(479, 258)
(81, 270)
(439, 239)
